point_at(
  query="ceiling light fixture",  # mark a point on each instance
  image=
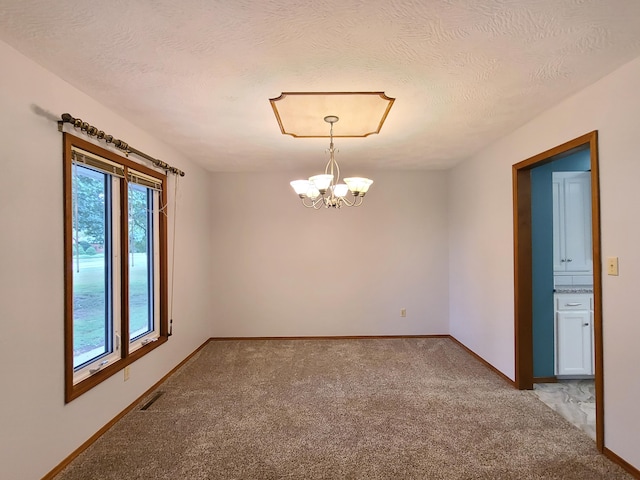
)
(324, 190)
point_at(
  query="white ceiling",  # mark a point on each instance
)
(199, 73)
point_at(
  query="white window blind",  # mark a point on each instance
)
(96, 162)
(145, 180)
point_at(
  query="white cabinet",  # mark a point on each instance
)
(572, 223)
(574, 335)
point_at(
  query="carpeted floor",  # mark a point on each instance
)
(333, 409)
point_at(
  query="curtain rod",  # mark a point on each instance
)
(124, 146)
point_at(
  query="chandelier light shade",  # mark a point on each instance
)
(325, 190)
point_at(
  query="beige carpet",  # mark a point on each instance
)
(333, 409)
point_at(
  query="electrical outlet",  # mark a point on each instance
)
(403, 312)
(126, 373)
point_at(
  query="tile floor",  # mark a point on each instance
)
(575, 400)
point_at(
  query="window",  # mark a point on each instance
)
(115, 263)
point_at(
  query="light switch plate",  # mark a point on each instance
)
(612, 265)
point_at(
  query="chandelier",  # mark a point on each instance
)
(325, 190)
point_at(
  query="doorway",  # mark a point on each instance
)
(523, 267)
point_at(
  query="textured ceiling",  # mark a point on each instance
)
(199, 73)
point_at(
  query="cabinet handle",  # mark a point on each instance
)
(586, 324)
(572, 304)
(569, 260)
(562, 260)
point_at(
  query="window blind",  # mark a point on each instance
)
(96, 162)
(145, 180)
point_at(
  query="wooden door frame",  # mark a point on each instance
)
(523, 289)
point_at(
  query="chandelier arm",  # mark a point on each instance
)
(327, 168)
(347, 202)
(319, 202)
(358, 201)
(305, 203)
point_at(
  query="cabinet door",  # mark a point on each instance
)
(559, 262)
(572, 223)
(574, 343)
(577, 221)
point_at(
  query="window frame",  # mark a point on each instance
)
(153, 246)
(113, 251)
(75, 387)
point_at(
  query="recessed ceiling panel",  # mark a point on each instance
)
(301, 114)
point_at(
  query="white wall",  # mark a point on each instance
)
(481, 249)
(37, 429)
(283, 270)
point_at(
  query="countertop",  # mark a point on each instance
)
(573, 289)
